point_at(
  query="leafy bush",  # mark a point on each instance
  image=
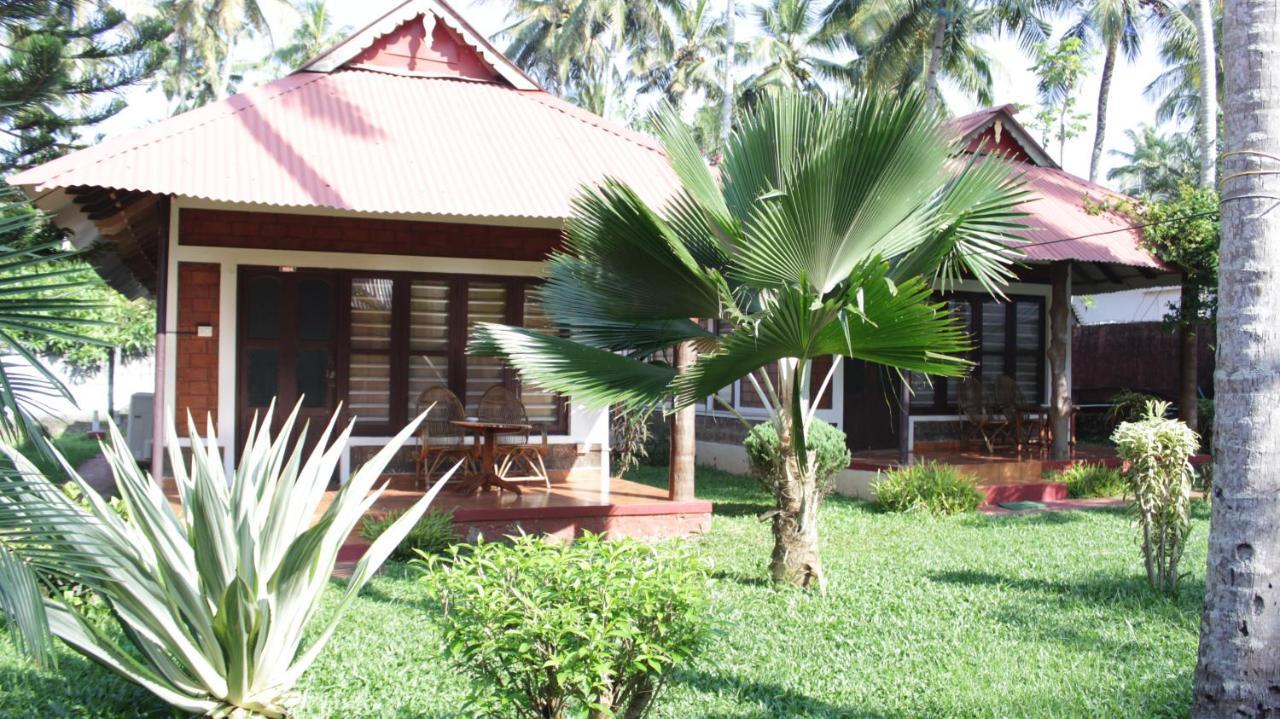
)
(827, 447)
(433, 534)
(630, 429)
(1157, 451)
(546, 629)
(213, 601)
(927, 487)
(1092, 480)
(1129, 406)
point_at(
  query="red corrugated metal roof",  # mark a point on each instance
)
(374, 142)
(1061, 227)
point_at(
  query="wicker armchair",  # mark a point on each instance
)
(973, 406)
(441, 442)
(519, 453)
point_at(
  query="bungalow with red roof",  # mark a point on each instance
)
(329, 237)
(1074, 246)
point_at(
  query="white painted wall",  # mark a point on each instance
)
(1149, 304)
(91, 393)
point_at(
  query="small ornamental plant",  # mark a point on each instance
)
(930, 487)
(547, 629)
(1157, 453)
(827, 449)
(1093, 480)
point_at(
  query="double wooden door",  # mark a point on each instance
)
(287, 346)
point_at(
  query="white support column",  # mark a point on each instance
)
(227, 317)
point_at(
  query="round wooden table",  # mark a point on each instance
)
(488, 432)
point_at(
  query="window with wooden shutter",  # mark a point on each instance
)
(428, 337)
(369, 363)
(486, 302)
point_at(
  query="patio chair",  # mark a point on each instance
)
(441, 442)
(973, 407)
(1020, 417)
(500, 404)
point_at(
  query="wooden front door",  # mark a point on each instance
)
(287, 347)
(870, 406)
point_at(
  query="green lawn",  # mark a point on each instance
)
(1044, 616)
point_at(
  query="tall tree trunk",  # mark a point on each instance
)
(726, 106)
(1104, 95)
(1059, 356)
(1238, 674)
(1208, 56)
(795, 558)
(932, 93)
(680, 472)
(1188, 366)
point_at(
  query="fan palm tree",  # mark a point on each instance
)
(1115, 26)
(830, 225)
(915, 44)
(793, 51)
(314, 33)
(1156, 165)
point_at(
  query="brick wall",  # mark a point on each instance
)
(197, 357)
(264, 230)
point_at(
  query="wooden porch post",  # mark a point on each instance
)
(1188, 369)
(904, 421)
(680, 472)
(1059, 354)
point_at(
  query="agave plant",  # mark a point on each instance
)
(823, 234)
(215, 599)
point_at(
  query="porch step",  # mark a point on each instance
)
(1024, 492)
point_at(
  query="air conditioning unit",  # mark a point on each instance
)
(138, 430)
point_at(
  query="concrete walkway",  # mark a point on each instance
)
(1059, 505)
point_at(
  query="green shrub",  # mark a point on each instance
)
(1158, 452)
(1092, 480)
(550, 629)
(1129, 406)
(826, 444)
(433, 534)
(927, 487)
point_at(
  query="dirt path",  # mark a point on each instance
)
(97, 473)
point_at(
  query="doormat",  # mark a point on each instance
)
(1022, 506)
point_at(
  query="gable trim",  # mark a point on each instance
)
(1019, 134)
(350, 48)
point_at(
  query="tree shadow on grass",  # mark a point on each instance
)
(1029, 519)
(748, 580)
(739, 509)
(770, 699)
(77, 687)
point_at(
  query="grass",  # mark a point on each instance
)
(76, 447)
(1044, 615)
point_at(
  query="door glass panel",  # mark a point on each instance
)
(263, 376)
(371, 313)
(315, 309)
(542, 406)
(485, 303)
(369, 388)
(429, 316)
(313, 377)
(993, 326)
(425, 371)
(264, 309)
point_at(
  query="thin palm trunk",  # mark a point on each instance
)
(726, 105)
(1059, 344)
(1188, 386)
(680, 475)
(1104, 95)
(935, 56)
(1208, 56)
(795, 558)
(1238, 673)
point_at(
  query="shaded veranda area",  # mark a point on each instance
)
(1042, 615)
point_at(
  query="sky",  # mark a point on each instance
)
(1014, 81)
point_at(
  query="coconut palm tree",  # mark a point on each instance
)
(824, 234)
(1237, 674)
(684, 60)
(1178, 91)
(793, 51)
(909, 44)
(205, 34)
(572, 44)
(1115, 26)
(1156, 165)
(314, 33)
